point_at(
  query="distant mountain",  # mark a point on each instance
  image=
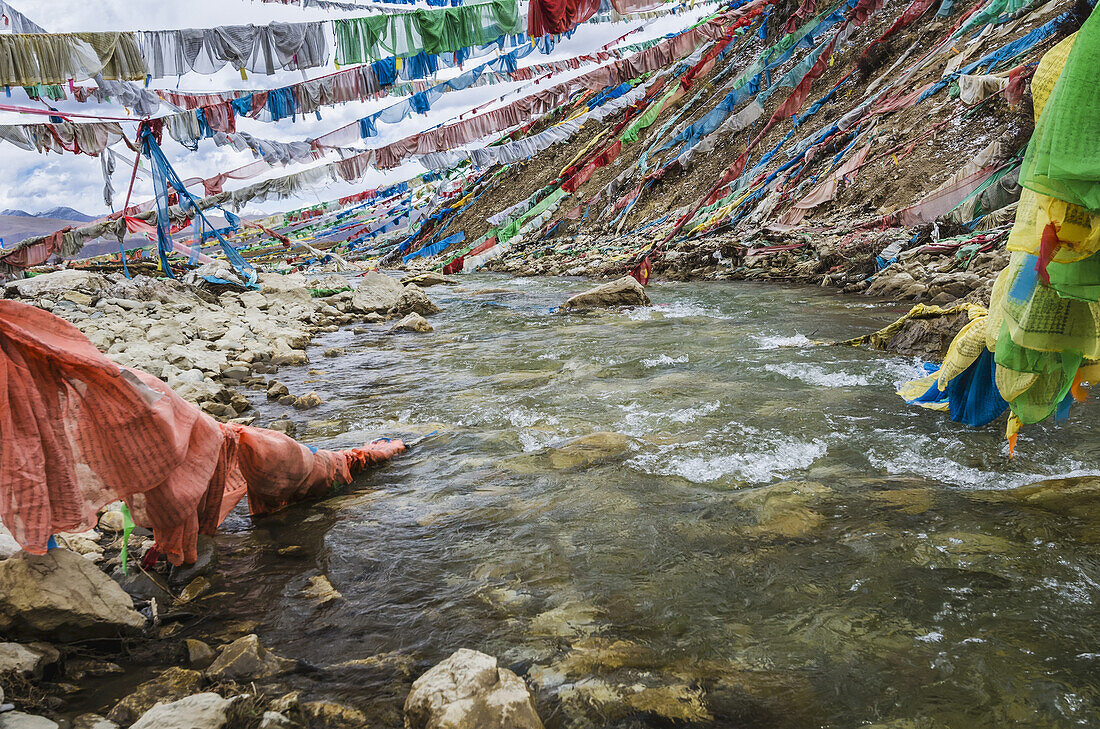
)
(58, 213)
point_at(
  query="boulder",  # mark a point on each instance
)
(201, 711)
(625, 291)
(245, 660)
(927, 338)
(287, 290)
(57, 283)
(8, 546)
(411, 323)
(327, 282)
(173, 684)
(413, 300)
(29, 661)
(19, 720)
(199, 654)
(375, 292)
(587, 449)
(276, 389)
(469, 691)
(61, 596)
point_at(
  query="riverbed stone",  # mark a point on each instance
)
(470, 691)
(201, 711)
(199, 654)
(173, 684)
(588, 449)
(60, 596)
(414, 300)
(625, 291)
(320, 591)
(111, 521)
(19, 720)
(30, 660)
(246, 659)
(411, 323)
(375, 293)
(426, 279)
(285, 426)
(275, 720)
(276, 389)
(205, 563)
(783, 509)
(329, 715)
(307, 401)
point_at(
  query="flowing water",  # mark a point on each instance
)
(756, 533)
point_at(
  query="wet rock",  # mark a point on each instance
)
(307, 401)
(284, 359)
(600, 655)
(927, 338)
(199, 654)
(375, 293)
(320, 591)
(679, 703)
(219, 410)
(568, 620)
(284, 426)
(287, 400)
(414, 300)
(411, 323)
(173, 684)
(30, 660)
(327, 715)
(205, 564)
(276, 389)
(143, 585)
(469, 691)
(625, 291)
(334, 351)
(195, 589)
(19, 720)
(201, 711)
(782, 509)
(61, 596)
(588, 449)
(245, 659)
(1077, 497)
(287, 703)
(93, 721)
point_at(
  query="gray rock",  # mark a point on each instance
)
(334, 352)
(411, 323)
(205, 564)
(625, 291)
(424, 280)
(219, 410)
(93, 721)
(275, 720)
(245, 659)
(29, 661)
(201, 711)
(19, 720)
(469, 691)
(414, 300)
(111, 521)
(236, 373)
(199, 654)
(58, 283)
(375, 292)
(61, 596)
(142, 585)
(289, 359)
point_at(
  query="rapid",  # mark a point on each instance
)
(690, 513)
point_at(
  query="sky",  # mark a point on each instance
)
(38, 182)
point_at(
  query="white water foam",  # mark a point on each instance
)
(818, 376)
(674, 310)
(664, 360)
(783, 457)
(797, 340)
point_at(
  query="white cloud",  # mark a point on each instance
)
(37, 182)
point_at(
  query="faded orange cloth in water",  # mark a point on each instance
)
(77, 431)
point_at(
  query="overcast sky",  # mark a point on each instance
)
(37, 182)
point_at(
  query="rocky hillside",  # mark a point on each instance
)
(864, 145)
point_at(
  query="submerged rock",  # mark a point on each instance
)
(588, 449)
(201, 711)
(411, 323)
(61, 596)
(469, 691)
(245, 659)
(375, 293)
(93, 721)
(328, 715)
(625, 291)
(782, 509)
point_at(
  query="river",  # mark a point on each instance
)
(762, 534)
